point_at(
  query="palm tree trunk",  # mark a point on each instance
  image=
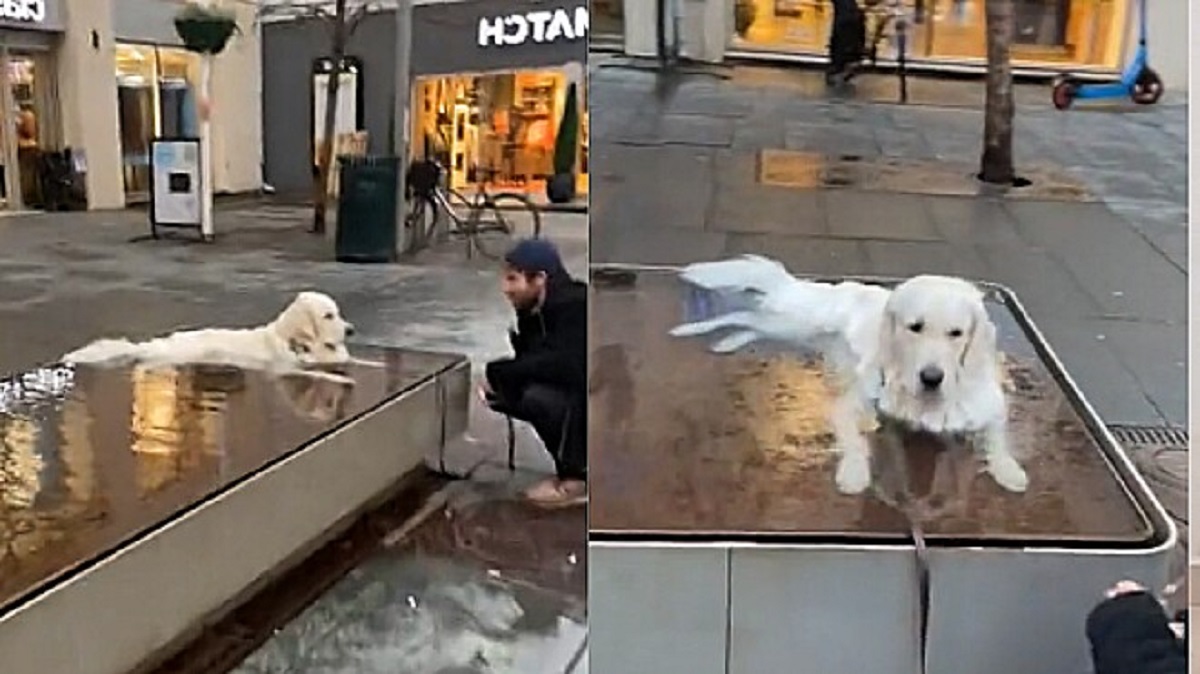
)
(996, 165)
(329, 124)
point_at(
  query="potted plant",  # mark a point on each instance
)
(744, 12)
(204, 29)
(560, 188)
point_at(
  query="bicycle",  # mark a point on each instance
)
(489, 222)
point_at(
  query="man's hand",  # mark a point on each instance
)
(1124, 587)
(485, 393)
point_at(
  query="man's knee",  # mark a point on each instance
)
(543, 403)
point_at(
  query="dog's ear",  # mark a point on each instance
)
(979, 351)
(298, 323)
(887, 336)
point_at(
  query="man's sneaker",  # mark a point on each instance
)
(555, 493)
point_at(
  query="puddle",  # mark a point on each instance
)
(90, 457)
(482, 586)
(685, 441)
(812, 170)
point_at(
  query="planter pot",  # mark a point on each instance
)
(205, 30)
(560, 188)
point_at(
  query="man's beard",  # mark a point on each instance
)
(525, 303)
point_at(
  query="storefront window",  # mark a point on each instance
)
(608, 18)
(22, 77)
(156, 99)
(1048, 32)
(498, 130)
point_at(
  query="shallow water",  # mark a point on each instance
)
(685, 441)
(485, 585)
(90, 457)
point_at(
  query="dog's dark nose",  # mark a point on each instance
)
(931, 377)
(349, 329)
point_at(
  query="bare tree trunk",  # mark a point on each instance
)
(996, 165)
(325, 153)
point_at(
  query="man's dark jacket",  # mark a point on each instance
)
(1130, 635)
(550, 344)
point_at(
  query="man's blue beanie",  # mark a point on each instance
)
(535, 255)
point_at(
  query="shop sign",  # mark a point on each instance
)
(25, 11)
(541, 27)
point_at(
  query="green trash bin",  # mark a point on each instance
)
(367, 203)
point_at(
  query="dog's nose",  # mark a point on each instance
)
(349, 329)
(931, 377)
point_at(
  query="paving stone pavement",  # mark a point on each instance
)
(675, 159)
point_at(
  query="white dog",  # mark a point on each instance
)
(309, 334)
(923, 354)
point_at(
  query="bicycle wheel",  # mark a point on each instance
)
(502, 221)
(461, 211)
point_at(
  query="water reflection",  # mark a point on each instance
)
(90, 456)
(814, 170)
(742, 444)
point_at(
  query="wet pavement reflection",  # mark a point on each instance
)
(685, 441)
(481, 583)
(814, 170)
(90, 457)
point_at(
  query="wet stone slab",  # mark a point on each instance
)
(687, 442)
(90, 457)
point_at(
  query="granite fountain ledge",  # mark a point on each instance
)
(277, 468)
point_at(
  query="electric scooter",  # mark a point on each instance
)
(1139, 81)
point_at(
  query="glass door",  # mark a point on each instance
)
(33, 122)
(137, 74)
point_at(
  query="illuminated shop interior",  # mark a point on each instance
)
(496, 129)
(156, 95)
(1048, 32)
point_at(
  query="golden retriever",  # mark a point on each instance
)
(308, 335)
(923, 353)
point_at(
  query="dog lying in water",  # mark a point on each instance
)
(308, 338)
(922, 354)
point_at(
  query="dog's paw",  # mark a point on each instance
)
(687, 330)
(1007, 472)
(853, 473)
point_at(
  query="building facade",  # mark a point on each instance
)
(1051, 35)
(489, 84)
(104, 77)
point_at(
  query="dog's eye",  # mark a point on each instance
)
(329, 316)
(916, 327)
(331, 346)
(955, 333)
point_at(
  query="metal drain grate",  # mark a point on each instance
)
(1145, 437)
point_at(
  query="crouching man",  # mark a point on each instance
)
(544, 383)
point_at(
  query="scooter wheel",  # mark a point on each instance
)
(1148, 88)
(1063, 94)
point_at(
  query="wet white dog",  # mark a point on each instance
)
(310, 334)
(923, 353)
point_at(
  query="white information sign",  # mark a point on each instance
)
(175, 167)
